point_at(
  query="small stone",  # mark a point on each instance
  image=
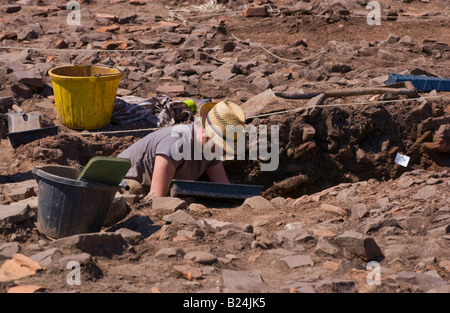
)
(86, 262)
(324, 248)
(173, 38)
(201, 257)
(294, 236)
(445, 264)
(440, 289)
(229, 46)
(333, 209)
(22, 190)
(295, 225)
(383, 201)
(27, 34)
(8, 249)
(108, 29)
(169, 253)
(317, 100)
(188, 271)
(392, 38)
(46, 257)
(117, 211)
(31, 78)
(221, 226)
(258, 203)
(6, 102)
(255, 12)
(168, 204)
(294, 261)
(138, 2)
(340, 68)
(261, 83)
(199, 209)
(406, 40)
(19, 266)
(61, 44)
(13, 214)
(26, 289)
(96, 244)
(261, 103)
(358, 245)
(359, 211)
(308, 133)
(335, 285)
(193, 43)
(124, 19)
(179, 216)
(12, 8)
(434, 181)
(225, 72)
(425, 193)
(423, 281)
(130, 236)
(242, 281)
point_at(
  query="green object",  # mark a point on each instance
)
(105, 170)
(191, 105)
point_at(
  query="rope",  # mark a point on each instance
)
(113, 132)
(335, 54)
(278, 57)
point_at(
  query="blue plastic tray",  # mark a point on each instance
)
(422, 83)
(204, 189)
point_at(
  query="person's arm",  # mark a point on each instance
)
(217, 174)
(163, 173)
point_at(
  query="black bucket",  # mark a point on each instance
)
(67, 206)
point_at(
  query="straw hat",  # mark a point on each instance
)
(217, 118)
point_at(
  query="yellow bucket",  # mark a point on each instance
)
(85, 95)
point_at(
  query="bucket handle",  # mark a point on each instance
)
(103, 75)
(111, 74)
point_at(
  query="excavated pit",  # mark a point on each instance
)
(318, 147)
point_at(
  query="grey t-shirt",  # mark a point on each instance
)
(142, 154)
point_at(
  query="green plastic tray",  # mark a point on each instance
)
(105, 170)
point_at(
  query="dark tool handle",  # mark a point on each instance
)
(309, 95)
(409, 90)
(104, 75)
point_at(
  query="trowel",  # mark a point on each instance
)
(21, 121)
(26, 127)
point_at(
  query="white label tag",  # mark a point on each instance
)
(402, 160)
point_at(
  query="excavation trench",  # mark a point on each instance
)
(318, 147)
(322, 147)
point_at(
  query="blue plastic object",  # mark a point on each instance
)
(422, 83)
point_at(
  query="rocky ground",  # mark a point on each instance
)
(337, 201)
